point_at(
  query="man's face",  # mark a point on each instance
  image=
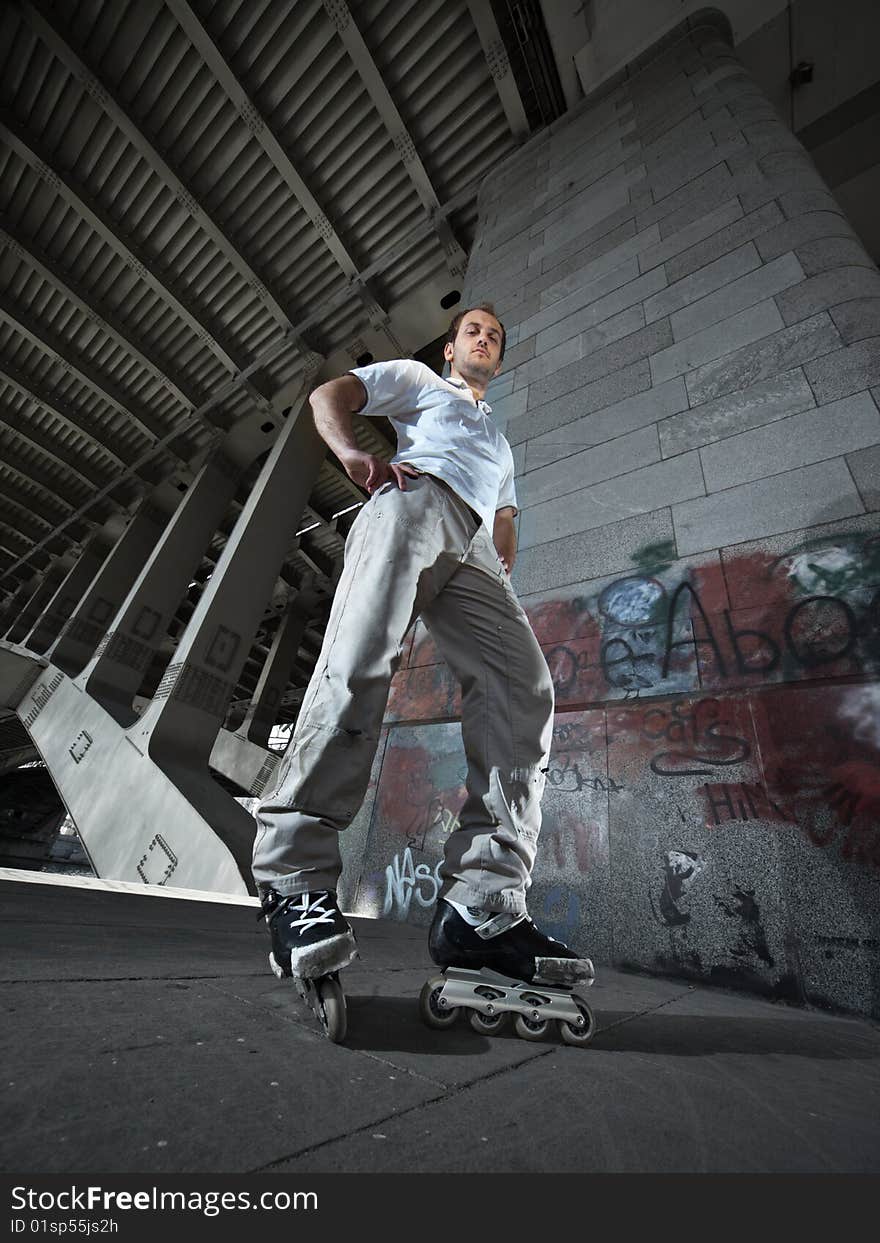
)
(476, 352)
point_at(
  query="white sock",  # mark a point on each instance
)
(472, 915)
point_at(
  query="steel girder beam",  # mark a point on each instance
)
(100, 316)
(143, 265)
(346, 27)
(197, 415)
(499, 67)
(73, 364)
(38, 16)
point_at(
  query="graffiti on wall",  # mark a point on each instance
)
(739, 621)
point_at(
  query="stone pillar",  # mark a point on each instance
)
(691, 394)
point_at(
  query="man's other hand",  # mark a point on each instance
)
(372, 472)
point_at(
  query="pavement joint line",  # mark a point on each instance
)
(638, 1014)
(308, 1027)
(448, 1095)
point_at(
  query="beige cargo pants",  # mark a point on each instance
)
(424, 552)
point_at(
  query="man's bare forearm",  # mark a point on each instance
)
(504, 538)
(333, 405)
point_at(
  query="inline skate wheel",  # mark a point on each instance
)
(530, 1029)
(488, 1024)
(576, 1035)
(433, 1014)
(330, 1006)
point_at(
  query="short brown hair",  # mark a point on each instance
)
(477, 306)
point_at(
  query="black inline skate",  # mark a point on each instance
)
(311, 942)
(501, 965)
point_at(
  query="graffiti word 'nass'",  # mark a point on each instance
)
(405, 881)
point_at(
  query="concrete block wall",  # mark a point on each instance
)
(691, 390)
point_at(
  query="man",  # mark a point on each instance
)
(436, 540)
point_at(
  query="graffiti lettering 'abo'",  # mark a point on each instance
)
(405, 880)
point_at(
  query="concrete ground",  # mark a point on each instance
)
(146, 1035)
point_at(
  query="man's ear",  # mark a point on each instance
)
(497, 371)
(448, 351)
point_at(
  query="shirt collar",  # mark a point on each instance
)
(462, 384)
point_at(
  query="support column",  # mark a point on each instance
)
(17, 602)
(82, 633)
(115, 672)
(179, 728)
(52, 579)
(263, 711)
(65, 600)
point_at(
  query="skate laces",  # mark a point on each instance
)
(310, 910)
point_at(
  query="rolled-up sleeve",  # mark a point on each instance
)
(393, 387)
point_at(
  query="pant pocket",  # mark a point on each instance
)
(329, 772)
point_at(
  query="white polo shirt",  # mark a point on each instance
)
(443, 430)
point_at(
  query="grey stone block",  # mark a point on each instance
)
(788, 502)
(746, 229)
(640, 491)
(518, 353)
(603, 309)
(798, 202)
(582, 175)
(506, 409)
(743, 589)
(577, 161)
(674, 139)
(611, 421)
(716, 341)
(812, 436)
(676, 173)
(603, 550)
(823, 254)
(690, 202)
(731, 70)
(549, 362)
(589, 466)
(585, 212)
(792, 234)
(786, 349)
(580, 259)
(736, 412)
(738, 295)
(857, 319)
(865, 468)
(581, 295)
(580, 278)
(602, 362)
(713, 276)
(519, 461)
(554, 256)
(700, 229)
(582, 401)
(828, 289)
(501, 387)
(845, 371)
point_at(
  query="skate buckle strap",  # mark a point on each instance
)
(502, 922)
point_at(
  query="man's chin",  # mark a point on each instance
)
(472, 371)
